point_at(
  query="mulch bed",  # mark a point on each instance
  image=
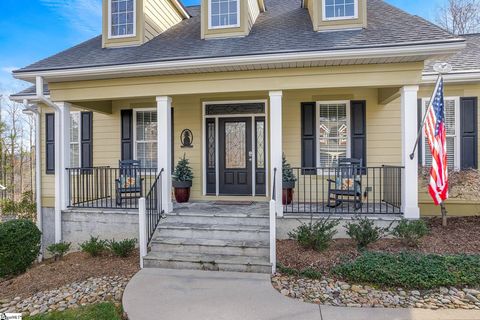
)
(73, 267)
(462, 235)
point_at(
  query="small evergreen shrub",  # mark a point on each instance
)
(94, 246)
(410, 231)
(58, 250)
(412, 270)
(19, 246)
(315, 235)
(122, 248)
(364, 232)
(183, 171)
(287, 171)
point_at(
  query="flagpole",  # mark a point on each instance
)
(422, 124)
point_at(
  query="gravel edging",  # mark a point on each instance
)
(336, 293)
(76, 294)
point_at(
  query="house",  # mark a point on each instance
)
(251, 80)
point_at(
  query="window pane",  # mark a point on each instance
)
(260, 145)
(211, 145)
(223, 12)
(146, 138)
(333, 134)
(122, 17)
(74, 155)
(349, 10)
(339, 8)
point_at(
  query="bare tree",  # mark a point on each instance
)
(460, 16)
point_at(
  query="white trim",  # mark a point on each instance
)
(252, 116)
(410, 49)
(324, 13)
(222, 26)
(134, 34)
(453, 76)
(164, 148)
(317, 121)
(457, 159)
(181, 8)
(134, 128)
(276, 146)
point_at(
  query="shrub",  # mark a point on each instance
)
(412, 270)
(364, 231)
(122, 248)
(410, 231)
(58, 250)
(25, 208)
(94, 246)
(8, 206)
(19, 246)
(317, 235)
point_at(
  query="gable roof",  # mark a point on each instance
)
(467, 59)
(284, 28)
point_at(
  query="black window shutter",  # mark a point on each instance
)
(358, 115)
(419, 123)
(309, 141)
(469, 133)
(127, 134)
(50, 143)
(86, 139)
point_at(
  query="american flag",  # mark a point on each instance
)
(435, 132)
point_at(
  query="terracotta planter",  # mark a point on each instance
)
(182, 190)
(287, 194)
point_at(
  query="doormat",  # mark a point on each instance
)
(233, 203)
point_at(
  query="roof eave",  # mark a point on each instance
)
(414, 49)
(458, 76)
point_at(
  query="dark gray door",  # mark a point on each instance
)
(235, 153)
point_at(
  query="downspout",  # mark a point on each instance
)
(58, 202)
(38, 174)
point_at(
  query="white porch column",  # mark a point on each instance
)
(164, 156)
(409, 134)
(62, 161)
(276, 148)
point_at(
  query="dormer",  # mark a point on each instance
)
(332, 15)
(229, 18)
(134, 22)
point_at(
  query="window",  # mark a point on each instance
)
(452, 124)
(146, 138)
(333, 132)
(340, 9)
(224, 13)
(75, 140)
(122, 18)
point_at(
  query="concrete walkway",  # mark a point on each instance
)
(165, 294)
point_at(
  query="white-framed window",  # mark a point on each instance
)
(121, 18)
(340, 9)
(75, 154)
(223, 14)
(333, 132)
(452, 125)
(145, 137)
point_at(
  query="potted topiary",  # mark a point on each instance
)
(288, 182)
(182, 180)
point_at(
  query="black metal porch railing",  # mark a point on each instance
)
(373, 190)
(154, 206)
(109, 188)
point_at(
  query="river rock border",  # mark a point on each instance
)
(336, 293)
(91, 291)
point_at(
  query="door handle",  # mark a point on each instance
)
(250, 155)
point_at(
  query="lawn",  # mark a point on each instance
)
(101, 311)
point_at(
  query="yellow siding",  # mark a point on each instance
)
(159, 16)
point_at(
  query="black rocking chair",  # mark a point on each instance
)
(347, 186)
(130, 183)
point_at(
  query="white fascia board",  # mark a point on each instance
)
(30, 98)
(462, 76)
(181, 8)
(420, 50)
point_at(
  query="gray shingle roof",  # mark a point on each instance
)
(31, 91)
(464, 60)
(284, 27)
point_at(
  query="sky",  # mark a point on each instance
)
(31, 30)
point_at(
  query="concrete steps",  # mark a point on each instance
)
(213, 237)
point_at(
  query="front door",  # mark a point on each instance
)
(235, 155)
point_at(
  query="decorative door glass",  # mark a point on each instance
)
(235, 145)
